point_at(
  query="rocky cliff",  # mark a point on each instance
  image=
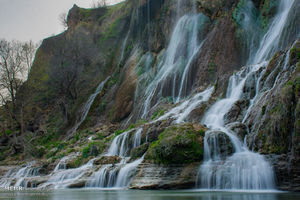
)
(160, 89)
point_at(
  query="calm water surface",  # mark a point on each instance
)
(145, 195)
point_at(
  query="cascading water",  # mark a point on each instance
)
(170, 79)
(118, 175)
(270, 42)
(86, 107)
(62, 178)
(20, 176)
(243, 169)
(182, 111)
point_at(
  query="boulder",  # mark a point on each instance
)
(240, 129)
(78, 184)
(236, 112)
(139, 151)
(107, 160)
(177, 144)
(219, 144)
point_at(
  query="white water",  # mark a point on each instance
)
(181, 51)
(182, 111)
(243, 170)
(86, 107)
(62, 164)
(118, 175)
(64, 177)
(127, 172)
(270, 42)
(123, 48)
(120, 145)
(19, 175)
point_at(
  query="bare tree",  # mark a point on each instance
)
(99, 4)
(12, 68)
(29, 49)
(15, 60)
(63, 19)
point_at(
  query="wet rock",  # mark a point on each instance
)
(287, 171)
(219, 144)
(107, 160)
(151, 131)
(125, 95)
(236, 112)
(153, 176)
(249, 89)
(78, 184)
(239, 129)
(197, 114)
(139, 151)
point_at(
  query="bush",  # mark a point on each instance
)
(177, 144)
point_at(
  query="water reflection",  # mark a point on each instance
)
(145, 195)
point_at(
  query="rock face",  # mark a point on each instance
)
(130, 43)
(273, 120)
(287, 171)
(240, 129)
(237, 111)
(153, 176)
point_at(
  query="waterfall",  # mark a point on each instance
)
(123, 48)
(270, 42)
(62, 164)
(171, 77)
(244, 169)
(127, 172)
(62, 178)
(182, 111)
(20, 175)
(86, 107)
(120, 174)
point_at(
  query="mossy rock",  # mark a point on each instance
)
(178, 144)
(139, 151)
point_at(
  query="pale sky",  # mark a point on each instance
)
(35, 19)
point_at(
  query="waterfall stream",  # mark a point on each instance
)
(120, 174)
(20, 176)
(244, 169)
(171, 76)
(84, 111)
(226, 166)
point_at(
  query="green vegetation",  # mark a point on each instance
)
(158, 114)
(177, 144)
(139, 151)
(268, 10)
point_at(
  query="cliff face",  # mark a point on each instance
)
(156, 68)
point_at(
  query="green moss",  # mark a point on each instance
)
(112, 32)
(85, 13)
(212, 68)
(139, 151)
(177, 144)
(158, 114)
(267, 11)
(93, 149)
